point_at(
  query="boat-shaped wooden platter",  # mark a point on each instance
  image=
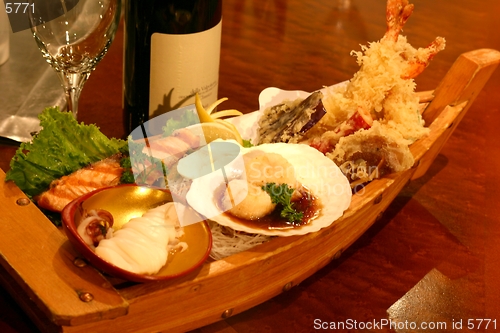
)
(62, 293)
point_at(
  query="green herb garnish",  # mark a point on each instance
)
(281, 195)
(247, 143)
(187, 118)
(127, 175)
(143, 165)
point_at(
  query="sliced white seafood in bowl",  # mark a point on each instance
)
(255, 199)
(132, 232)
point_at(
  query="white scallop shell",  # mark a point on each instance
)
(312, 169)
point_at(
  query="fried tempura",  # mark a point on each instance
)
(385, 87)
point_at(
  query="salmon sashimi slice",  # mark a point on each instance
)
(62, 191)
(172, 148)
(169, 149)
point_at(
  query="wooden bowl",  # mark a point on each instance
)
(125, 202)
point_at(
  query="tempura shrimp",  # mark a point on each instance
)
(397, 13)
(424, 55)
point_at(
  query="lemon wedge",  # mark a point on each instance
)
(214, 127)
(202, 113)
(231, 127)
(215, 130)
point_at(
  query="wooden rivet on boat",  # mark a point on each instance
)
(379, 216)
(227, 313)
(79, 262)
(337, 255)
(288, 286)
(107, 284)
(86, 297)
(23, 201)
(378, 200)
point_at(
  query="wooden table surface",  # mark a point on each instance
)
(434, 257)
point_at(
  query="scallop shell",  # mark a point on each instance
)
(312, 169)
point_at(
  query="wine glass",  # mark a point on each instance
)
(74, 35)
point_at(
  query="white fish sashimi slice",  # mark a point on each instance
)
(142, 251)
(142, 245)
(137, 237)
(110, 252)
(155, 232)
(148, 258)
(166, 213)
(155, 214)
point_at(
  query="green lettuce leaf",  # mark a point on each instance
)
(186, 118)
(60, 148)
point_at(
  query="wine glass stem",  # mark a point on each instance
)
(73, 85)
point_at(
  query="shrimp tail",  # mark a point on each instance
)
(424, 56)
(397, 13)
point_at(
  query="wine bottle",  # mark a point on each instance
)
(171, 52)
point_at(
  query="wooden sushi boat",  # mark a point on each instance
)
(62, 293)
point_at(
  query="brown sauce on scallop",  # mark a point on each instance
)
(307, 204)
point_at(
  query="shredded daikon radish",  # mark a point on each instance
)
(226, 241)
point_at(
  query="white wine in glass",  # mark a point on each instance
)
(74, 35)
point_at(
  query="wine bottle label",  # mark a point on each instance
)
(182, 65)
